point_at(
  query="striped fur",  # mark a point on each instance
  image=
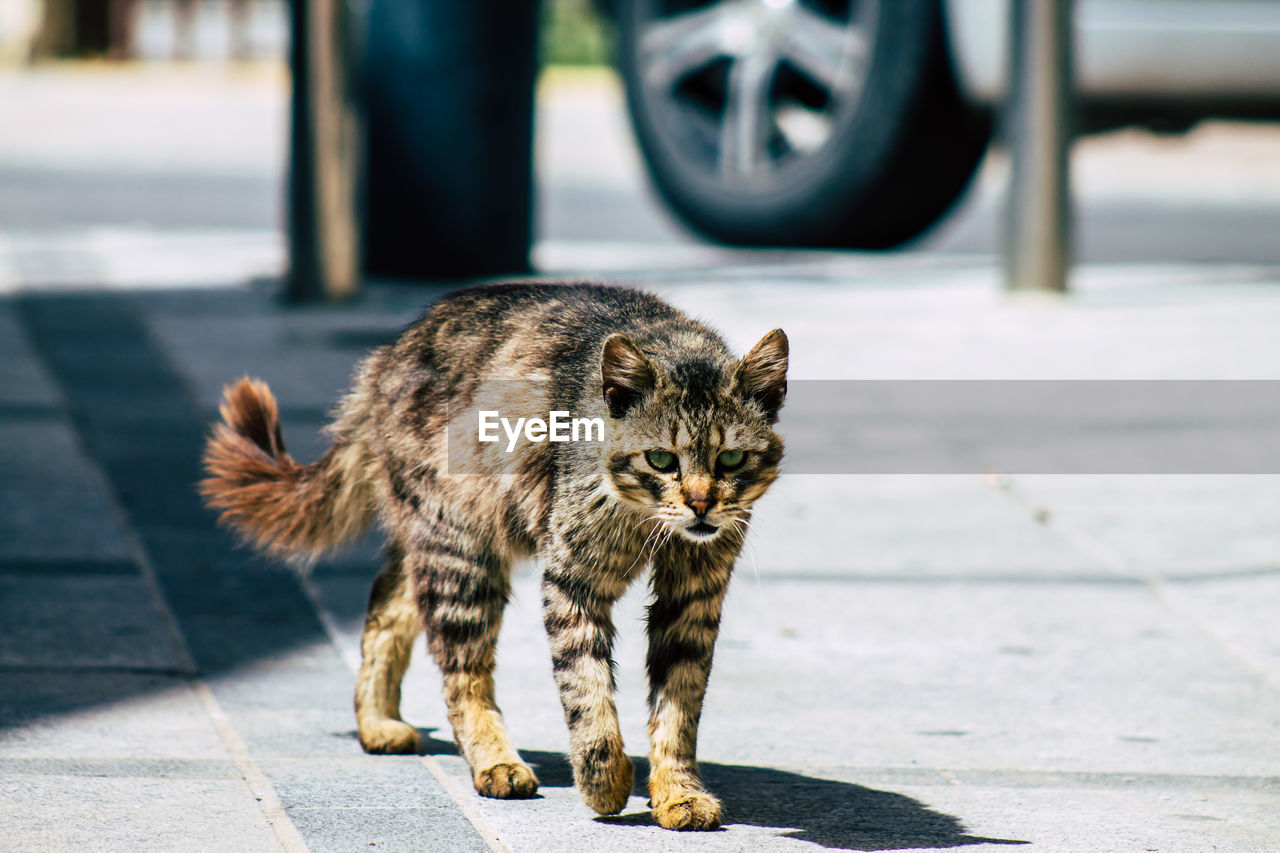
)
(599, 515)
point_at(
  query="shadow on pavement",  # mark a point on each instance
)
(837, 815)
(831, 814)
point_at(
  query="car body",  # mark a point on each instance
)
(1139, 61)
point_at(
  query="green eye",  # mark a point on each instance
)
(730, 459)
(661, 459)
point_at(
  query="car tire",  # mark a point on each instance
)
(890, 145)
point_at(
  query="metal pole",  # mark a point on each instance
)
(1037, 234)
(325, 144)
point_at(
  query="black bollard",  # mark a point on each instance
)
(448, 98)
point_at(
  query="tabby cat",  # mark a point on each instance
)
(688, 446)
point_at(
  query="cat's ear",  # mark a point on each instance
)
(627, 374)
(762, 373)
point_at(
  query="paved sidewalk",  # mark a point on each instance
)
(1051, 663)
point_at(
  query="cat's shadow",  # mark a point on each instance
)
(836, 815)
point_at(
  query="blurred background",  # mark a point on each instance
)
(907, 660)
(167, 122)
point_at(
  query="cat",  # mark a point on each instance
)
(689, 445)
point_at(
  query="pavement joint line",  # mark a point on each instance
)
(123, 766)
(1209, 574)
(1174, 603)
(1091, 547)
(352, 661)
(1157, 585)
(281, 824)
(350, 657)
(119, 669)
(428, 809)
(31, 412)
(949, 776)
(982, 777)
(48, 568)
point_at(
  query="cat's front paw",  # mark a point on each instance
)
(688, 810)
(506, 781)
(605, 775)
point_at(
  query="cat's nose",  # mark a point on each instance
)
(698, 494)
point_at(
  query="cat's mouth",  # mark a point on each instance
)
(701, 531)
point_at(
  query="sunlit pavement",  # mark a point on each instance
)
(907, 662)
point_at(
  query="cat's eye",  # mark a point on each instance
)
(730, 459)
(662, 460)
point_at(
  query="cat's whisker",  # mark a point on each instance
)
(669, 532)
(652, 533)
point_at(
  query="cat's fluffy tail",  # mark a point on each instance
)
(287, 509)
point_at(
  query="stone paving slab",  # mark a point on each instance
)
(1240, 613)
(381, 799)
(25, 382)
(886, 674)
(399, 830)
(904, 526)
(318, 734)
(95, 714)
(307, 677)
(131, 813)
(1158, 523)
(1067, 819)
(53, 503)
(81, 621)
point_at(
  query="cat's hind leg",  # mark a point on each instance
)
(463, 589)
(392, 624)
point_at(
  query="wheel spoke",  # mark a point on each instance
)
(675, 47)
(831, 53)
(746, 124)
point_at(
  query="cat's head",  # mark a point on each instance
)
(692, 442)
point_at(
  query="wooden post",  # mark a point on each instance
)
(1037, 234)
(325, 143)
